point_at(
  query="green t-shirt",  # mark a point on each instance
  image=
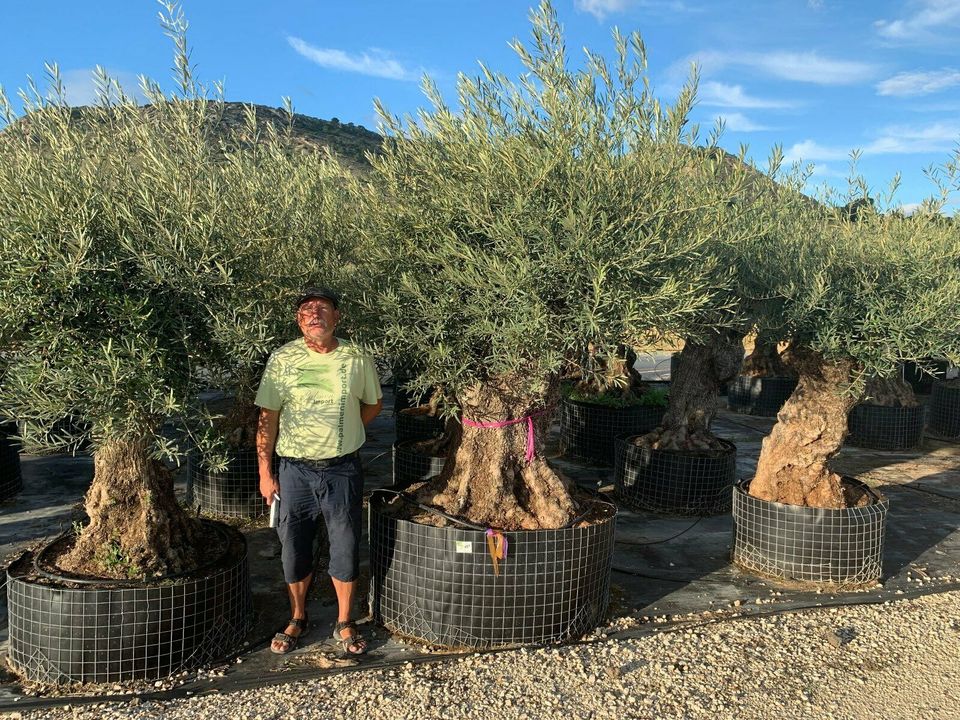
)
(318, 396)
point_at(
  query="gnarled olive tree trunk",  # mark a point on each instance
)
(811, 427)
(487, 478)
(891, 391)
(766, 360)
(703, 368)
(136, 526)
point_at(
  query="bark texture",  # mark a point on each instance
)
(891, 391)
(487, 480)
(136, 526)
(703, 368)
(793, 465)
(766, 360)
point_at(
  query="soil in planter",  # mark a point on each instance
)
(113, 558)
(416, 461)
(591, 510)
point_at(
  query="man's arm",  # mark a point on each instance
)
(369, 412)
(267, 428)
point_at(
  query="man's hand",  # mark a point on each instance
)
(269, 486)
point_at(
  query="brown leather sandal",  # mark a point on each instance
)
(355, 639)
(289, 641)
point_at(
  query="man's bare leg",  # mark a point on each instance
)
(298, 606)
(345, 592)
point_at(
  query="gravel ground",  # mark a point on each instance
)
(896, 660)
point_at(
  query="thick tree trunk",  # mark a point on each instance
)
(766, 361)
(487, 479)
(793, 465)
(703, 368)
(136, 526)
(891, 391)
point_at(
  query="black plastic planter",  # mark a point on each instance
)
(232, 492)
(418, 426)
(588, 431)
(945, 410)
(11, 477)
(112, 631)
(762, 396)
(438, 584)
(672, 481)
(815, 545)
(921, 376)
(880, 427)
(404, 398)
(411, 467)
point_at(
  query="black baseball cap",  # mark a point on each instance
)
(312, 292)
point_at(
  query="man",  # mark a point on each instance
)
(316, 396)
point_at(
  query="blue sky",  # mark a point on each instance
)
(819, 77)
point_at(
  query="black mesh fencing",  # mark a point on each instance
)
(232, 492)
(588, 431)
(879, 427)
(11, 477)
(64, 633)
(944, 416)
(673, 481)
(411, 467)
(439, 585)
(763, 396)
(816, 545)
(418, 426)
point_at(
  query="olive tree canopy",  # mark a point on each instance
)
(545, 219)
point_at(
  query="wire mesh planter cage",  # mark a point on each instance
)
(944, 417)
(763, 396)
(588, 431)
(674, 481)
(882, 427)
(11, 474)
(411, 466)
(65, 630)
(417, 424)
(807, 544)
(231, 492)
(439, 585)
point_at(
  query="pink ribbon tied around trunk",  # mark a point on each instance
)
(528, 419)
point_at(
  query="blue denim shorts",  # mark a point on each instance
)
(306, 493)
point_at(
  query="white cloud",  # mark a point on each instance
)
(600, 9)
(919, 83)
(938, 137)
(738, 122)
(374, 62)
(80, 88)
(909, 208)
(723, 95)
(808, 67)
(932, 16)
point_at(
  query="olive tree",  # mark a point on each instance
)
(854, 296)
(143, 250)
(545, 219)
